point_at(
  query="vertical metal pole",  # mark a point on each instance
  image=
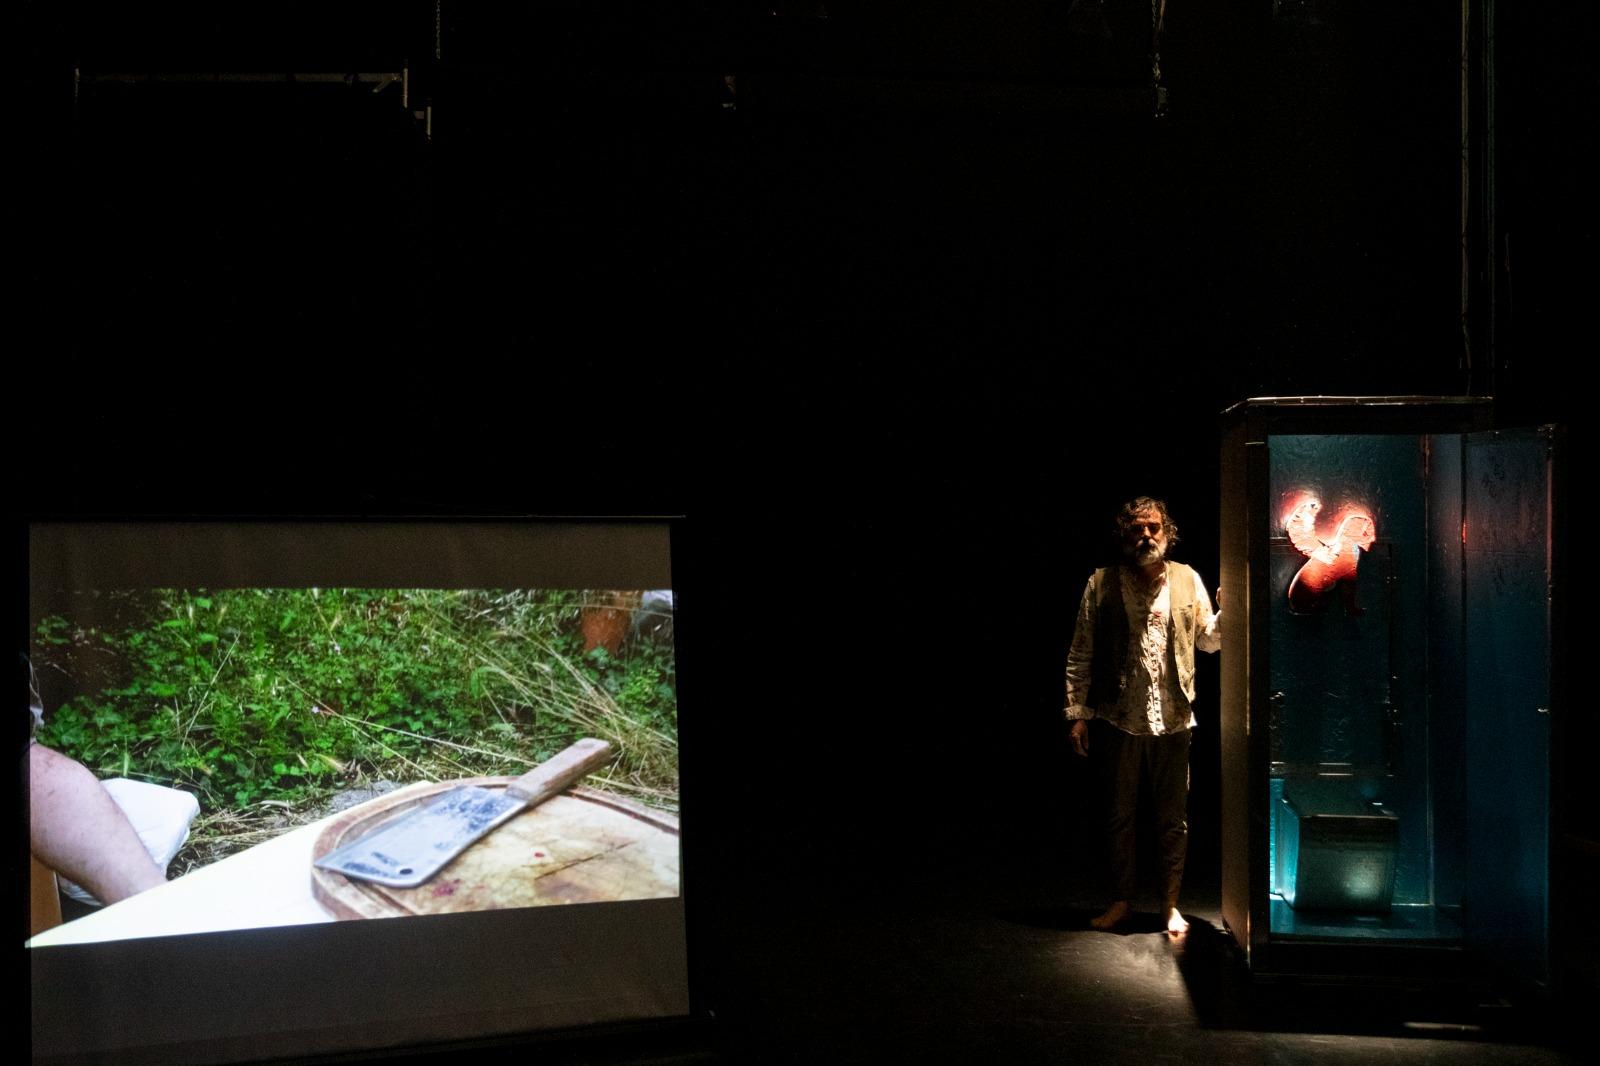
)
(1466, 192)
(1158, 17)
(1491, 236)
(1480, 265)
(433, 74)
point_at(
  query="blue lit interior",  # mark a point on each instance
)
(1356, 849)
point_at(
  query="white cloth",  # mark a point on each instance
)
(160, 816)
(1154, 702)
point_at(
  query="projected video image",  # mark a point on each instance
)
(234, 758)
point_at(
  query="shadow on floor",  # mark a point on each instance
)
(1207, 969)
(1077, 918)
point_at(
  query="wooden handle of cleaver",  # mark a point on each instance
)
(560, 771)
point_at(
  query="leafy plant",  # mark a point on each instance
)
(250, 696)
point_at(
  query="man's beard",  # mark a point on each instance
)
(1144, 553)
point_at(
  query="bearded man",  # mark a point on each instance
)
(1130, 695)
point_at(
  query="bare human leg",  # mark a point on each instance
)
(77, 829)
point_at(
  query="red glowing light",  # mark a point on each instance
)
(1330, 560)
(1299, 519)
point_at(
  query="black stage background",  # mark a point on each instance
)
(896, 345)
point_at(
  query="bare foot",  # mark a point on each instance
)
(1114, 916)
(1177, 926)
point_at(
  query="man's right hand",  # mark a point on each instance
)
(1080, 737)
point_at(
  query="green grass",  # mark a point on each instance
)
(253, 697)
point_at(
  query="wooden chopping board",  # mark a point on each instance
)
(579, 847)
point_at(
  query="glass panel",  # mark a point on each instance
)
(1447, 675)
(1349, 628)
(1505, 545)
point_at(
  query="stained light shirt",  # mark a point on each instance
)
(1153, 702)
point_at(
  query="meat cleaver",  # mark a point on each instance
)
(405, 852)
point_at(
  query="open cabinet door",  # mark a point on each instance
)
(1507, 558)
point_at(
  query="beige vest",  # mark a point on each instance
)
(1115, 659)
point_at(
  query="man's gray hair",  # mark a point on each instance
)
(1138, 505)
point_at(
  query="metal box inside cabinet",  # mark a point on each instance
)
(1337, 851)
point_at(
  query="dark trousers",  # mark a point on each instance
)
(1161, 764)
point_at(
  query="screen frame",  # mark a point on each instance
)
(308, 1009)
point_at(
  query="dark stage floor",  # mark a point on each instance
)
(1007, 972)
(1013, 975)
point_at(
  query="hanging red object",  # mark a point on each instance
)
(1330, 561)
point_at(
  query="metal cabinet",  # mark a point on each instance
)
(1390, 568)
